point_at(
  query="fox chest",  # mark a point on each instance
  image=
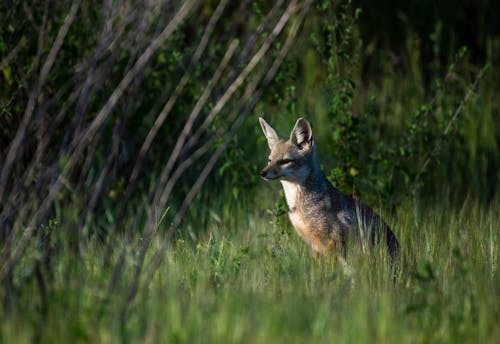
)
(308, 227)
(311, 231)
(301, 224)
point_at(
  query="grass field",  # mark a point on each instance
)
(119, 125)
(252, 279)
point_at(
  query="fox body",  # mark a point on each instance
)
(322, 215)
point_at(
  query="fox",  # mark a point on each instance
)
(324, 217)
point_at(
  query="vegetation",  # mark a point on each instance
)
(130, 204)
(250, 280)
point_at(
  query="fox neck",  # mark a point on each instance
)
(314, 184)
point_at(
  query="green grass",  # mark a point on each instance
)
(235, 272)
(251, 279)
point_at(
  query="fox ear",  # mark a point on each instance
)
(269, 132)
(301, 134)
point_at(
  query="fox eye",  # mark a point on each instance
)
(285, 161)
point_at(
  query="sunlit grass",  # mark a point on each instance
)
(258, 283)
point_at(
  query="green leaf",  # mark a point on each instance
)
(7, 74)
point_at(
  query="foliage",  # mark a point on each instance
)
(387, 134)
(404, 116)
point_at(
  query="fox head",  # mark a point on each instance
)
(290, 160)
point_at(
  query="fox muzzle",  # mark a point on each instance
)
(265, 174)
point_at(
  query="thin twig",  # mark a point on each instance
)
(453, 119)
(13, 53)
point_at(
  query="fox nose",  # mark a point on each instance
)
(263, 174)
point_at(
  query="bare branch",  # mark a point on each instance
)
(49, 62)
(193, 116)
(456, 113)
(173, 98)
(142, 61)
(223, 100)
(248, 94)
(13, 53)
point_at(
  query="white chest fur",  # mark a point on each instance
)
(291, 192)
(297, 218)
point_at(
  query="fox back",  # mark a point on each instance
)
(323, 216)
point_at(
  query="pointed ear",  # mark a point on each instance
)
(269, 132)
(301, 135)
